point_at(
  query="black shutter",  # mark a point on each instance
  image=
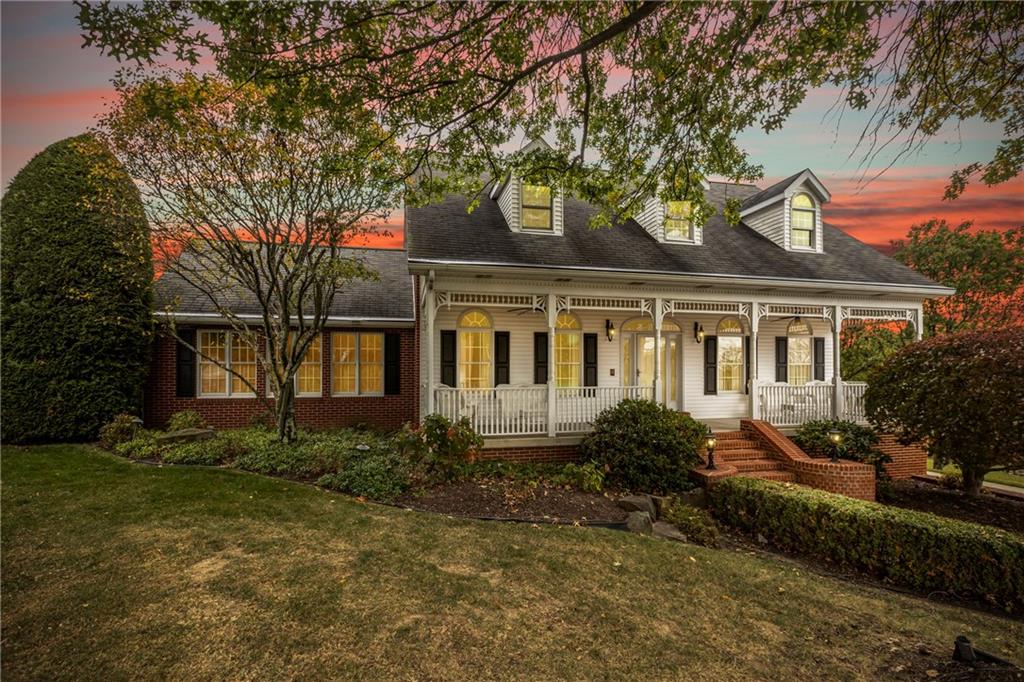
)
(819, 359)
(392, 364)
(710, 365)
(781, 359)
(448, 357)
(185, 376)
(540, 357)
(501, 363)
(590, 359)
(746, 364)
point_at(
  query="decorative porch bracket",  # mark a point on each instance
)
(446, 299)
(909, 315)
(644, 306)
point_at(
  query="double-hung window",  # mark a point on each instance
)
(568, 350)
(799, 360)
(802, 221)
(677, 221)
(357, 363)
(309, 375)
(476, 341)
(537, 207)
(227, 364)
(730, 356)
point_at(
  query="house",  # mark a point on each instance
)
(522, 318)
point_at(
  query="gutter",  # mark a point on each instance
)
(332, 320)
(676, 278)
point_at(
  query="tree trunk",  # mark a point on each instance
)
(972, 480)
(287, 431)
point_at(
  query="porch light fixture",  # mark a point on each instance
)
(710, 442)
(835, 436)
(698, 332)
(609, 330)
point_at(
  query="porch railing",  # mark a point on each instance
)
(577, 408)
(853, 401)
(501, 411)
(787, 405)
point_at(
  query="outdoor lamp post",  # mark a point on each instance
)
(710, 442)
(836, 436)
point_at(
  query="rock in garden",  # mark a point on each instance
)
(640, 522)
(184, 436)
(664, 529)
(638, 503)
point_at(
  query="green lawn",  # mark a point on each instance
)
(113, 570)
(994, 477)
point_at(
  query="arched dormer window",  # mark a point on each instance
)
(799, 353)
(476, 342)
(802, 221)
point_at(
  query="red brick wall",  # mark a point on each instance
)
(541, 453)
(907, 460)
(385, 412)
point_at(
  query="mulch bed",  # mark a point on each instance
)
(507, 499)
(987, 509)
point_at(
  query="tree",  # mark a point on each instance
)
(961, 395)
(77, 294)
(641, 97)
(985, 267)
(247, 208)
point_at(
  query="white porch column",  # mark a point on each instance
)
(430, 303)
(658, 369)
(837, 376)
(552, 407)
(755, 396)
(919, 323)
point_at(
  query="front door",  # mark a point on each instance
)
(638, 364)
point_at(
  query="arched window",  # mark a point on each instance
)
(802, 221)
(638, 324)
(568, 350)
(730, 355)
(799, 360)
(475, 349)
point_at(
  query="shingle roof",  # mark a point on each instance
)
(776, 190)
(388, 298)
(445, 232)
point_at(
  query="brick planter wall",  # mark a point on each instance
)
(852, 479)
(907, 460)
(384, 412)
(538, 454)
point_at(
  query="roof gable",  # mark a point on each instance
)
(781, 189)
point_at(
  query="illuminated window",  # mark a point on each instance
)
(802, 221)
(677, 221)
(536, 207)
(568, 350)
(224, 359)
(371, 363)
(308, 376)
(475, 357)
(357, 363)
(344, 365)
(799, 354)
(730, 355)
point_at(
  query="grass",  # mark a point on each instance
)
(119, 570)
(1003, 477)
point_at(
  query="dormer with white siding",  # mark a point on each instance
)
(530, 208)
(789, 212)
(671, 221)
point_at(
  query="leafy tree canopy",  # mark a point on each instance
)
(639, 97)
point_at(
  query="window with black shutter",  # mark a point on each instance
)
(540, 357)
(448, 356)
(819, 359)
(501, 358)
(392, 364)
(710, 365)
(746, 364)
(781, 359)
(185, 362)
(590, 359)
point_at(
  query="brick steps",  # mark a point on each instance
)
(736, 444)
(739, 451)
(781, 476)
(750, 465)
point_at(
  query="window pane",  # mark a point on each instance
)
(799, 360)
(567, 359)
(729, 325)
(730, 364)
(802, 201)
(243, 364)
(677, 221)
(371, 363)
(802, 220)
(567, 321)
(803, 238)
(536, 195)
(537, 218)
(475, 359)
(308, 377)
(343, 362)
(213, 378)
(475, 319)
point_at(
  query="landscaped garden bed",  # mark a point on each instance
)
(986, 508)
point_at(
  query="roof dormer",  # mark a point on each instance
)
(789, 212)
(530, 208)
(671, 221)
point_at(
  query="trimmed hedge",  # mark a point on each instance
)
(915, 549)
(77, 273)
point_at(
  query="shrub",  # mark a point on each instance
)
(695, 523)
(211, 452)
(858, 443)
(377, 476)
(449, 444)
(186, 419)
(309, 457)
(959, 393)
(76, 265)
(643, 445)
(916, 549)
(120, 429)
(588, 477)
(142, 446)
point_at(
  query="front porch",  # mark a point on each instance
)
(546, 365)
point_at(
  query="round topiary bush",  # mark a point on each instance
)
(961, 394)
(77, 294)
(645, 446)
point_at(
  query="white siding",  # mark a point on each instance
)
(508, 202)
(769, 329)
(652, 218)
(772, 222)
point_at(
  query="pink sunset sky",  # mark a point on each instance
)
(52, 88)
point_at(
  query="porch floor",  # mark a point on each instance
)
(717, 425)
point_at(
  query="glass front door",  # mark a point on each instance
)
(638, 364)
